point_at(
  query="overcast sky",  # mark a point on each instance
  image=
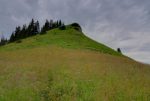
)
(116, 23)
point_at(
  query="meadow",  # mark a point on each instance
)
(67, 66)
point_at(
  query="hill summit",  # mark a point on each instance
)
(71, 36)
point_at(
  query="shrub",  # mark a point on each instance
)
(119, 50)
(63, 27)
(77, 27)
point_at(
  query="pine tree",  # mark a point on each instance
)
(60, 23)
(17, 33)
(30, 29)
(23, 32)
(12, 37)
(36, 28)
(51, 24)
(55, 25)
(45, 27)
(3, 41)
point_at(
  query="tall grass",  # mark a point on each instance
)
(67, 66)
(55, 73)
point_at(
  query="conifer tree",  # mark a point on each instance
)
(3, 41)
(45, 27)
(55, 24)
(51, 24)
(36, 28)
(30, 29)
(60, 23)
(23, 32)
(12, 37)
(17, 33)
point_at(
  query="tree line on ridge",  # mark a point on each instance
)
(32, 29)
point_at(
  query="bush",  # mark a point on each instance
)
(63, 27)
(77, 27)
(119, 50)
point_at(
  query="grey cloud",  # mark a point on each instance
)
(117, 23)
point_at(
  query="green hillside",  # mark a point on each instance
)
(68, 38)
(65, 65)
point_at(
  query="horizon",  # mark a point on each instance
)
(121, 24)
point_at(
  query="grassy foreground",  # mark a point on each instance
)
(54, 67)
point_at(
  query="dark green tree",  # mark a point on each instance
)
(30, 29)
(12, 37)
(17, 33)
(60, 23)
(23, 32)
(37, 27)
(45, 27)
(119, 50)
(3, 41)
(51, 24)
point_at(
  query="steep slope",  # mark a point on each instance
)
(64, 65)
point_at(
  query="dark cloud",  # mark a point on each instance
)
(117, 23)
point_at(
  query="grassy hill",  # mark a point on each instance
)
(65, 65)
(69, 38)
